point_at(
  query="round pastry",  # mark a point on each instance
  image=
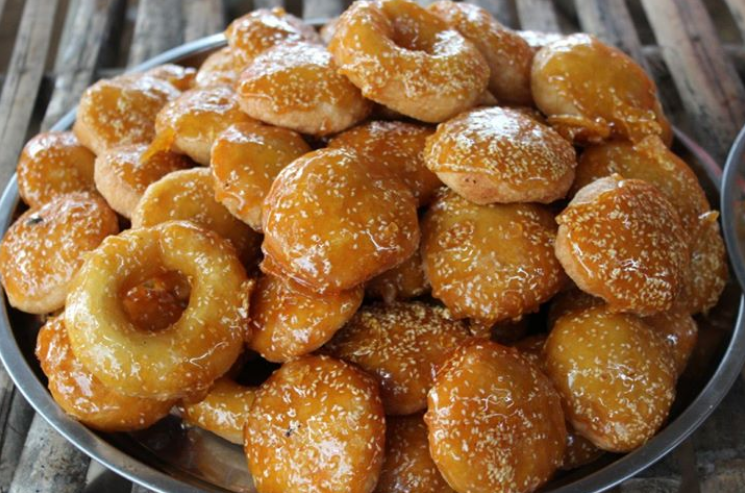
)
(402, 344)
(190, 123)
(568, 301)
(622, 240)
(591, 91)
(317, 424)
(246, 158)
(509, 57)
(53, 164)
(217, 70)
(188, 195)
(297, 86)
(257, 31)
(197, 349)
(531, 348)
(120, 111)
(501, 155)
(490, 262)
(333, 221)
(398, 147)
(408, 467)
(403, 282)
(679, 331)
(616, 376)
(45, 247)
(328, 30)
(81, 395)
(288, 321)
(495, 421)
(157, 303)
(406, 58)
(122, 174)
(538, 39)
(182, 78)
(224, 411)
(580, 451)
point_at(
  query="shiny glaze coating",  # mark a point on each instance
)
(403, 282)
(501, 155)
(316, 426)
(123, 173)
(408, 467)
(217, 70)
(288, 322)
(121, 111)
(402, 345)
(490, 262)
(509, 57)
(252, 34)
(679, 331)
(189, 195)
(187, 356)
(182, 78)
(81, 395)
(224, 411)
(408, 59)
(591, 91)
(297, 86)
(190, 123)
(246, 158)
(616, 376)
(398, 147)
(53, 164)
(495, 421)
(45, 247)
(622, 240)
(333, 221)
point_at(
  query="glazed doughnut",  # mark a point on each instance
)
(317, 424)
(591, 91)
(287, 321)
(45, 247)
(490, 262)
(333, 221)
(328, 30)
(580, 451)
(123, 173)
(246, 158)
(622, 240)
(403, 282)
(402, 345)
(257, 31)
(217, 70)
(197, 349)
(538, 39)
(406, 58)
(531, 348)
(190, 123)
(649, 160)
(188, 195)
(501, 155)
(398, 147)
(570, 301)
(158, 302)
(679, 331)
(81, 395)
(224, 411)
(616, 376)
(408, 467)
(509, 57)
(297, 86)
(495, 421)
(120, 111)
(53, 164)
(182, 78)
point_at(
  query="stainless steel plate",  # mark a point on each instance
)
(169, 457)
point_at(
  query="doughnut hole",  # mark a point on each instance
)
(158, 302)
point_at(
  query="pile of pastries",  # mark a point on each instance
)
(469, 251)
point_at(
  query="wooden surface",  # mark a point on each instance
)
(52, 49)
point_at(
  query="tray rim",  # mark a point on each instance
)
(699, 409)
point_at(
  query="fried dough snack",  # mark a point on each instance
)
(45, 247)
(53, 164)
(501, 155)
(182, 78)
(317, 424)
(495, 421)
(246, 158)
(219, 69)
(224, 411)
(490, 262)
(402, 344)
(333, 221)
(298, 86)
(679, 331)
(403, 282)
(622, 240)
(408, 59)
(288, 322)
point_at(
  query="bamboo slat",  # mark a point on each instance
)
(737, 8)
(158, 28)
(538, 15)
(202, 18)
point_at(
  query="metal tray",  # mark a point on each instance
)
(168, 457)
